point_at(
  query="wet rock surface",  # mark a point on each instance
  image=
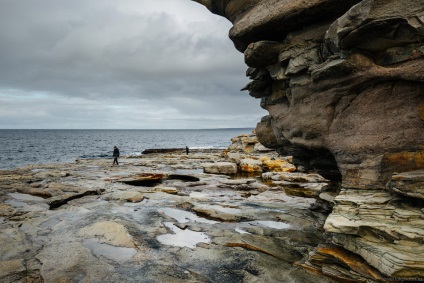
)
(198, 227)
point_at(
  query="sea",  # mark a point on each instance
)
(24, 147)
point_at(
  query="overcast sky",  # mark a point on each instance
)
(127, 64)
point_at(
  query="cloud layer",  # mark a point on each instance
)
(132, 64)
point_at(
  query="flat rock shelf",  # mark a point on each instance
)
(82, 222)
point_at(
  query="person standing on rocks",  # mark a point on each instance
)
(187, 150)
(115, 155)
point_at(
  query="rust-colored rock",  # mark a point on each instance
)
(323, 259)
(277, 165)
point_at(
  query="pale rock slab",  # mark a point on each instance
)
(227, 168)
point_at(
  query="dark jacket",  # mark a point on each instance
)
(116, 152)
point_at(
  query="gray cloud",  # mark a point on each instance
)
(132, 64)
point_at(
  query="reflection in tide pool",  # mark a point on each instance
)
(184, 216)
(182, 238)
(271, 224)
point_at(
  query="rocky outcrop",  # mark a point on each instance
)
(343, 83)
(247, 143)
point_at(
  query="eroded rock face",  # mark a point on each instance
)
(343, 84)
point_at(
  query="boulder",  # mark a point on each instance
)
(226, 168)
(243, 143)
(234, 157)
(277, 165)
(251, 165)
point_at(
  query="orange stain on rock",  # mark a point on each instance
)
(421, 111)
(404, 161)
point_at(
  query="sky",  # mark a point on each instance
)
(127, 64)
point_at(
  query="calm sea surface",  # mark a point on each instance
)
(22, 147)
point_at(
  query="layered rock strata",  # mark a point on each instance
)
(343, 84)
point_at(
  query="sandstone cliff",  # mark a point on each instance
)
(343, 84)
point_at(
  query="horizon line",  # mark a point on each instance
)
(167, 129)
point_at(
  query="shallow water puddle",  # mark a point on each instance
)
(182, 238)
(271, 224)
(184, 216)
(118, 254)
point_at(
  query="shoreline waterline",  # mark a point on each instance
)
(24, 147)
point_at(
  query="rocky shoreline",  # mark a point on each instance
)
(160, 218)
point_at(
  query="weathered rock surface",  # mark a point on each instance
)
(227, 168)
(410, 184)
(338, 263)
(247, 144)
(277, 165)
(207, 228)
(343, 83)
(386, 231)
(251, 165)
(247, 155)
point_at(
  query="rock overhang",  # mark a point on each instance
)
(273, 19)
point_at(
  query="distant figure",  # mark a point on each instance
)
(115, 155)
(187, 150)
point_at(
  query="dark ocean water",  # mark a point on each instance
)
(22, 147)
